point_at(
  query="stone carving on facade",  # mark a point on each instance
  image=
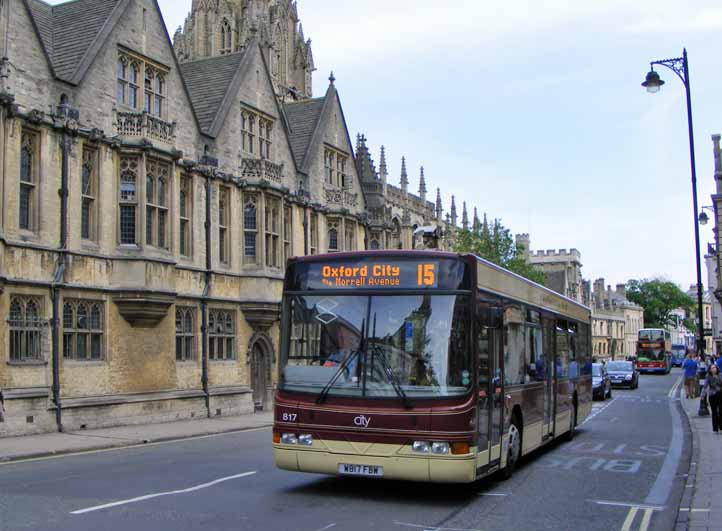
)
(261, 169)
(144, 125)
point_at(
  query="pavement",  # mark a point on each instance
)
(701, 506)
(49, 444)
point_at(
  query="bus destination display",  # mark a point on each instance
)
(380, 275)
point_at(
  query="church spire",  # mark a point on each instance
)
(454, 217)
(404, 177)
(383, 170)
(464, 217)
(439, 209)
(422, 185)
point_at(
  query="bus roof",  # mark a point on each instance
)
(490, 277)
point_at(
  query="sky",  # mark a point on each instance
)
(533, 113)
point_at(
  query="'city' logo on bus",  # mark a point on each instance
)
(362, 420)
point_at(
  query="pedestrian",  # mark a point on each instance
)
(690, 375)
(719, 363)
(2, 406)
(713, 393)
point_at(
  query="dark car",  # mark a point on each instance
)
(623, 374)
(601, 385)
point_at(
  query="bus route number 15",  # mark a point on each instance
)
(426, 275)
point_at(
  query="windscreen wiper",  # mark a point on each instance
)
(395, 383)
(344, 363)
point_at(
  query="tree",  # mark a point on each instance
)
(658, 297)
(495, 243)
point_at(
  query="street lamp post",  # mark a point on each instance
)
(653, 83)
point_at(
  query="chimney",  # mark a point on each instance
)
(622, 290)
(599, 290)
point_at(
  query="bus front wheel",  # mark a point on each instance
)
(514, 452)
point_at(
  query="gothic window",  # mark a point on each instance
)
(221, 335)
(328, 166)
(335, 168)
(333, 227)
(350, 235)
(256, 134)
(226, 38)
(28, 179)
(251, 135)
(272, 228)
(156, 204)
(314, 233)
(128, 73)
(159, 95)
(185, 333)
(265, 128)
(287, 233)
(25, 327)
(122, 84)
(250, 229)
(128, 200)
(89, 189)
(374, 244)
(224, 204)
(83, 328)
(186, 215)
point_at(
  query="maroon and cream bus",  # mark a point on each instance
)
(425, 366)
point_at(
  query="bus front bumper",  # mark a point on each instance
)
(443, 469)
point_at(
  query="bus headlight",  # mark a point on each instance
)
(289, 438)
(440, 448)
(421, 447)
(305, 439)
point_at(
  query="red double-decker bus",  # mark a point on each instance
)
(654, 350)
(426, 366)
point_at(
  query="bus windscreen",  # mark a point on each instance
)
(377, 346)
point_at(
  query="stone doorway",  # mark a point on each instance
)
(260, 375)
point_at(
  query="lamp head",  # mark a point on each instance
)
(653, 83)
(703, 218)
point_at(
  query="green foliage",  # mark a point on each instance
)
(658, 297)
(495, 243)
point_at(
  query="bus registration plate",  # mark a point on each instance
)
(360, 470)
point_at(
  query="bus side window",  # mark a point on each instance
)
(483, 350)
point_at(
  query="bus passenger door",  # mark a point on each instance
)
(549, 371)
(490, 399)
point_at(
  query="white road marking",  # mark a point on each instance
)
(665, 478)
(674, 388)
(131, 446)
(598, 411)
(646, 520)
(627, 504)
(629, 520)
(329, 526)
(692, 510)
(432, 528)
(158, 494)
(492, 494)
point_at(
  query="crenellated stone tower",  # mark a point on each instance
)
(222, 27)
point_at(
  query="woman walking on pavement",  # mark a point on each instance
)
(713, 392)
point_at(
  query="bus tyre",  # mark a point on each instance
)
(514, 452)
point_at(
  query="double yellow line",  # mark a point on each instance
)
(632, 515)
(675, 387)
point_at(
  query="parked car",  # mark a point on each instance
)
(623, 374)
(601, 385)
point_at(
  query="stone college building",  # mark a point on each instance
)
(150, 194)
